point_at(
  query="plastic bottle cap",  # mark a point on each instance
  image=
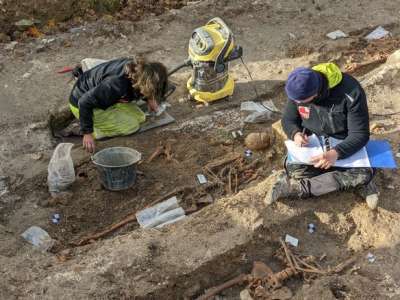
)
(311, 228)
(248, 153)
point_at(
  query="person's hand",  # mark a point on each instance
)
(152, 105)
(325, 160)
(88, 143)
(300, 139)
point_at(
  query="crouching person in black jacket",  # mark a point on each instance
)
(103, 98)
(328, 103)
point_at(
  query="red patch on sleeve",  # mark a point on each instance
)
(304, 112)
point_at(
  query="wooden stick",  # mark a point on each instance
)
(250, 166)
(217, 289)
(356, 67)
(386, 114)
(87, 239)
(223, 171)
(340, 267)
(321, 272)
(168, 153)
(304, 263)
(287, 253)
(170, 194)
(159, 150)
(293, 261)
(221, 162)
(230, 181)
(296, 264)
(212, 174)
(129, 218)
(236, 181)
(253, 177)
(313, 259)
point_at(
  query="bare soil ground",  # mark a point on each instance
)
(217, 241)
(92, 208)
(56, 16)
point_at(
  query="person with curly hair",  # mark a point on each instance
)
(104, 97)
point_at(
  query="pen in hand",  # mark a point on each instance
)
(301, 139)
(305, 138)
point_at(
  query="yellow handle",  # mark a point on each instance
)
(221, 23)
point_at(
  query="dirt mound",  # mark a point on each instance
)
(46, 15)
(136, 9)
(41, 10)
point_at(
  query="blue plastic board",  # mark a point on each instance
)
(380, 154)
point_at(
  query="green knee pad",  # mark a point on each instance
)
(117, 120)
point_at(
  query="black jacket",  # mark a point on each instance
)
(101, 87)
(340, 112)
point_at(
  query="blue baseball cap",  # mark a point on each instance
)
(302, 83)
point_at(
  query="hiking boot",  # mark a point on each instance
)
(370, 193)
(282, 188)
(73, 129)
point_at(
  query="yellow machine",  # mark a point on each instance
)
(211, 48)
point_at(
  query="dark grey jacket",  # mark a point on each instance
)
(101, 87)
(340, 112)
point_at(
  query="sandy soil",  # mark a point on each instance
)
(217, 241)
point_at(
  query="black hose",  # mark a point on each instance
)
(186, 63)
(252, 83)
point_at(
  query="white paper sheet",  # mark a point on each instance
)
(304, 154)
(314, 148)
(357, 160)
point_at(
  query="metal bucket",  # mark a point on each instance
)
(117, 167)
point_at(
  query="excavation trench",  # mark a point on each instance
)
(213, 245)
(204, 145)
(218, 240)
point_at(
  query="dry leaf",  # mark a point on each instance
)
(34, 32)
(51, 23)
(62, 258)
